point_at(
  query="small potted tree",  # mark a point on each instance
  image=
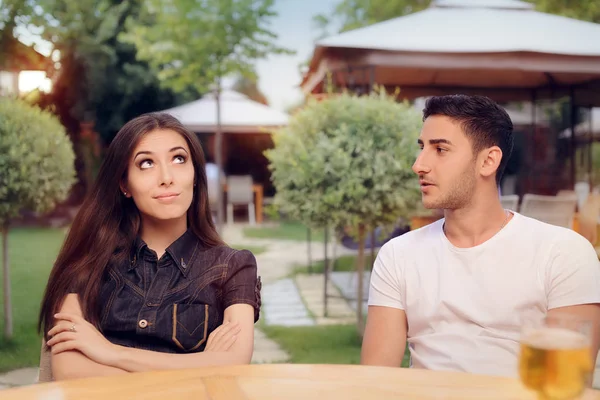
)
(346, 161)
(36, 171)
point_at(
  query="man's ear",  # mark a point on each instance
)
(490, 159)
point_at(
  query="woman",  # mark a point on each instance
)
(143, 281)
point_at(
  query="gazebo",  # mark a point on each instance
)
(247, 126)
(500, 48)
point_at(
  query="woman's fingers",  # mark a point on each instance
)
(61, 337)
(61, 326)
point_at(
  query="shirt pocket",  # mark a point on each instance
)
(190, 326)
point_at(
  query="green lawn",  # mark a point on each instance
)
(343, 263)
(328, 344)
(284, 231)
(256, 250)
(32, 253)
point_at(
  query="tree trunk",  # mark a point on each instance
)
(8, 322)
(360, 269)
(219, 160)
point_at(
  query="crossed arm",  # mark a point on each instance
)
(87, 353)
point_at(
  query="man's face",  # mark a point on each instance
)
(446, 165)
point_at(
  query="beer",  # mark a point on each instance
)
(555, 362)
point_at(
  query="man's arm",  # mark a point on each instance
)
(74, 364)
(589, 312)
(385, 337)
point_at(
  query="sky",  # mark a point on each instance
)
(279, 78)
(278, 75)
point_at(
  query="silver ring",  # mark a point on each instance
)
(73, 328)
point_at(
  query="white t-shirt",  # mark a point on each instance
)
(463, 305)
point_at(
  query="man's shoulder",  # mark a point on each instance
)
(542, 231)
(416, 238)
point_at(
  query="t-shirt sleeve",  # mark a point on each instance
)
(386, 288)
(574, 276)
(242, 285)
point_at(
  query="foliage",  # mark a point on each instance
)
(36, 160)
(353, 14)
(98, 78)
(193, 43)
(249, 87)
(346, 161)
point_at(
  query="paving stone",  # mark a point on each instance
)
(294, 322)
(20, 377)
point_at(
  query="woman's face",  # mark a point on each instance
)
(160, 176)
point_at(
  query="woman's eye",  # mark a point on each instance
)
(145, 164)
(179, 159)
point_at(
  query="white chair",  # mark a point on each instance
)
(239, 192)
(555, 210)
(510, 202)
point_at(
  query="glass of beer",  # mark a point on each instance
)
(556, 356)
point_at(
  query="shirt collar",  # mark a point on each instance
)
(182, 251)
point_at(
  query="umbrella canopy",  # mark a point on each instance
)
(239, 114)
(502, 48)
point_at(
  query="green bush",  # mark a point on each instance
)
(346, 162)
(36, 171)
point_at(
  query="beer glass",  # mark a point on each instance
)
(555, 359)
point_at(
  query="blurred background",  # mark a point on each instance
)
(257, 80)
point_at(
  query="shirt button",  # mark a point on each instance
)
(143, 323)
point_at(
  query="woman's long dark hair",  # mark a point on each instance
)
(107, 224)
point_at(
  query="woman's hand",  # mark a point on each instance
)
(222, 338)
(72, 332)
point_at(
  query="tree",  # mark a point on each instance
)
(353, 14)
(97, 78)
(586, 10)
(195, 43)
(36, 172)
(249, 87)
(346, 162)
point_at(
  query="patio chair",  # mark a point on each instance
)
(510, 202)
(588, 218)
(555, 210)
(239, 192)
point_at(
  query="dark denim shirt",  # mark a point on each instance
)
(173, 304)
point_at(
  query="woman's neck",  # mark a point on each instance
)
(159, 235)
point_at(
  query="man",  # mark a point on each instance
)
(456, 289)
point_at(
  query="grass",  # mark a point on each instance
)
(256, 250)
(327, 344)
(32, 253)
(343, 263)
(284, 231)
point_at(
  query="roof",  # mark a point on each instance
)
(238, 114)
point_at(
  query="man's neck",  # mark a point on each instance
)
(476, 223)
(159, 235)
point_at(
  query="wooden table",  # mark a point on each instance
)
(281, 381)
(258, 190)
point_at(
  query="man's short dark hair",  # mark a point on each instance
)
(484, 122)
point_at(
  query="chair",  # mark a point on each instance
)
(588, 218)
(555, 210)
(510, 202)
(45, 372)
(240, 192)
